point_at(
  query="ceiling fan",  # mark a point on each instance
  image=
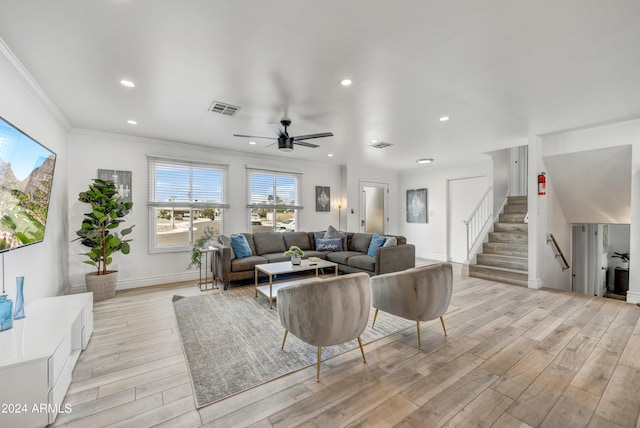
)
(285, 141)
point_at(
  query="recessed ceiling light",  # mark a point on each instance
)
(128, 83)
(374, 141)
(132, 122)
(345, 82)
(421, 161)
(330, 155)
(444, 118)
(253, 143)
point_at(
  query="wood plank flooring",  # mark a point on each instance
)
(513, 357)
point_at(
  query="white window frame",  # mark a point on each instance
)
(296, 207)
(153, 203)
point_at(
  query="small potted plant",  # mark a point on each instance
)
(98, 233)
(296, 254)
(199, 244)
(625, 259)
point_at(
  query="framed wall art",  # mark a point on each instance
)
(417, 206)
(323, 198)
(122, 180)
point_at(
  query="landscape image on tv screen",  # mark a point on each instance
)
(26, 176)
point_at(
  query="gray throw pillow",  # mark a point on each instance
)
(333, 233)
(390, 242)
(226, 241)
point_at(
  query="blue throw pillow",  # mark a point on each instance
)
(240, 246)
(329, 244)
(376, 241)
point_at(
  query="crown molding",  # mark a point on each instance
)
(16, 67)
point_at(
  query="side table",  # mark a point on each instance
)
(210, 256)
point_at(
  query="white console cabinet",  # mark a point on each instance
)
(37, 357)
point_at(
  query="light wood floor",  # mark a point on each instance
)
(513, 357)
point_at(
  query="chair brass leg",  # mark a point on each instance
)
(419, 345)
(285, 338)
(362, 350)
(318, 370)
(374, 318)
(443, 327)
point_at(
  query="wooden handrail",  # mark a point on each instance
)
(558, 251)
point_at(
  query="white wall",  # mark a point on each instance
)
(43, 265)
(430, 238)
(619, 134)
(501, 161)
(90, 151)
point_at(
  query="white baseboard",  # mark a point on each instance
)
(535, 283)
(633, 297)
(128, 284)
(432, 256)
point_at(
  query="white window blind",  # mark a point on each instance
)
(180, 183)
(269, 189)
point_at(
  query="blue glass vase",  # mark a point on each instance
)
(19, 313)
(6, 306)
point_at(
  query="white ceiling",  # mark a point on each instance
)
(502, 70)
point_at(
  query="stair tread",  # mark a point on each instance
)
(502, 256)
(500, 269)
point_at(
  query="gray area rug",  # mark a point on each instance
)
(232, 342)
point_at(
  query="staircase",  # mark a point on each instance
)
(505, 257)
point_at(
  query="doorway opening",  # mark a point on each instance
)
(373, 207)
(597, 270)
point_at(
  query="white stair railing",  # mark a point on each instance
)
(477, 221)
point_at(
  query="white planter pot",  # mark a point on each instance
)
(296, 259)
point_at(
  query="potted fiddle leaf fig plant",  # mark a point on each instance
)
(99, 233)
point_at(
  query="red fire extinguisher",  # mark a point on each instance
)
(542, 184)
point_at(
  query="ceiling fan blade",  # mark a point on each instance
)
(278, 129)
(304, 143)
(254, 136)
(310, 136)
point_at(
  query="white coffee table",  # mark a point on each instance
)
(271, 269)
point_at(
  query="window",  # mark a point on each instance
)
(273, 200)
(184, 198)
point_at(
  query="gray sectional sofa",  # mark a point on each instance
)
(268, 247)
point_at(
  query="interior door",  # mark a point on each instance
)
(579, 260)
(373, 207)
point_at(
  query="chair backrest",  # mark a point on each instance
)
(418, 294)
(325, 312)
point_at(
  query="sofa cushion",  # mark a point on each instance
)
(364, 262)
(360, 242)
(341, 257)
(247, 263)
(240, 246)
(376, 241)
(276, 257)
(268, 243)
(329, 244)
(313, 253)
(299, 239)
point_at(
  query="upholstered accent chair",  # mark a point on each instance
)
(326, 312)
(418, 294)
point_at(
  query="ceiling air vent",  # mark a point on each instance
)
(381, 145)
(222, 108)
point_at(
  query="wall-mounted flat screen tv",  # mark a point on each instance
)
(26, 177)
